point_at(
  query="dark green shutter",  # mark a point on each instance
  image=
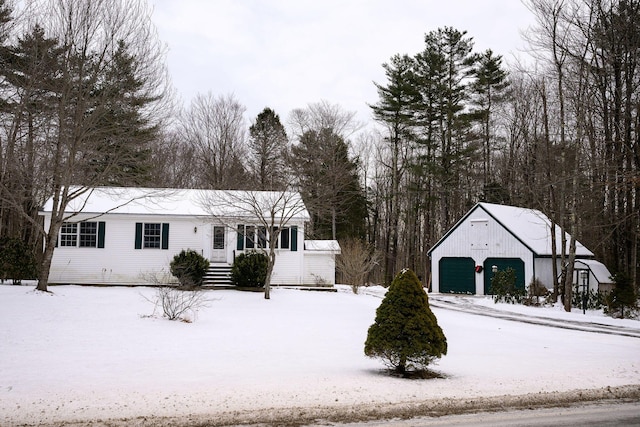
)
(240, 244)
(165, 236)
(294, 238)
(138, 235)
(101, 234)
(284, 238)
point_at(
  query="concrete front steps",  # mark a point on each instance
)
(218, 276)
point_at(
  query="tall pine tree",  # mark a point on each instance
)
(267, 151)
(330, 186)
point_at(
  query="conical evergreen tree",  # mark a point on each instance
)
(405, 334)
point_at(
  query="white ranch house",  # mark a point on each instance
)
(118, 236)
(499, 236)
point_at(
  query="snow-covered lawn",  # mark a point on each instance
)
(87, 353)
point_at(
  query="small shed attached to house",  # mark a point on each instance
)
(320, 261)
(492, 236)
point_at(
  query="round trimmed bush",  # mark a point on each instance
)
(250, 270)
(189, 267)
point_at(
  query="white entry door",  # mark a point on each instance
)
(219, 252)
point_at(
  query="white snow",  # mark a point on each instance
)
(189, 202)
(322, 245)
(87, 353)
(531, 226)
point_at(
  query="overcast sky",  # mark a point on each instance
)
(285, 54)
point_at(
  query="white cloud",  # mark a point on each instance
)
(285, 53)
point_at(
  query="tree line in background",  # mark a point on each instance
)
(562, 136)
(85, 101)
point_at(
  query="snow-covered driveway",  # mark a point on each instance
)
(477, 305)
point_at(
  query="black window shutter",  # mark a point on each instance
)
(100, 234)
(294, 238)
(165, 236)
(240, 244)
(138, 235)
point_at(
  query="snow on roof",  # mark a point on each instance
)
(322, 245)
(185, 202)
(532, 227)
(598, 269)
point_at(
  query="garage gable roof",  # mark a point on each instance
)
(530, 226)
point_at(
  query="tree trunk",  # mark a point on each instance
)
(47, 256)
(568, 281)
(270, 264)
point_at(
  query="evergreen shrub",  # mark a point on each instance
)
(622, 297)
(405, 333)
(594, 300)
(503, 287)
(250, 270)
(189, 267)
(17, 260)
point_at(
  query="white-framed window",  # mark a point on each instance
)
(152, 235)
(88, 234)
(251, 237)
(84, 234)
(69, 234)
(218, 237)
(284, 238)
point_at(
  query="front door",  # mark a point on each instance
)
(219, 253)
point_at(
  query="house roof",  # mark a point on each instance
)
(530, 226)
(185, 202)
(322, 245)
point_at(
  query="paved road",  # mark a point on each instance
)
(597, 415)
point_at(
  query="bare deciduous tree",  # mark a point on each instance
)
(355, 261)
(215, 126)
(271, 211)
(110, 61)
(323, 115)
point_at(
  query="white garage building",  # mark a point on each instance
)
(502, 236)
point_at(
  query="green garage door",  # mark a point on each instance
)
(503, 263)
(457, 275)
